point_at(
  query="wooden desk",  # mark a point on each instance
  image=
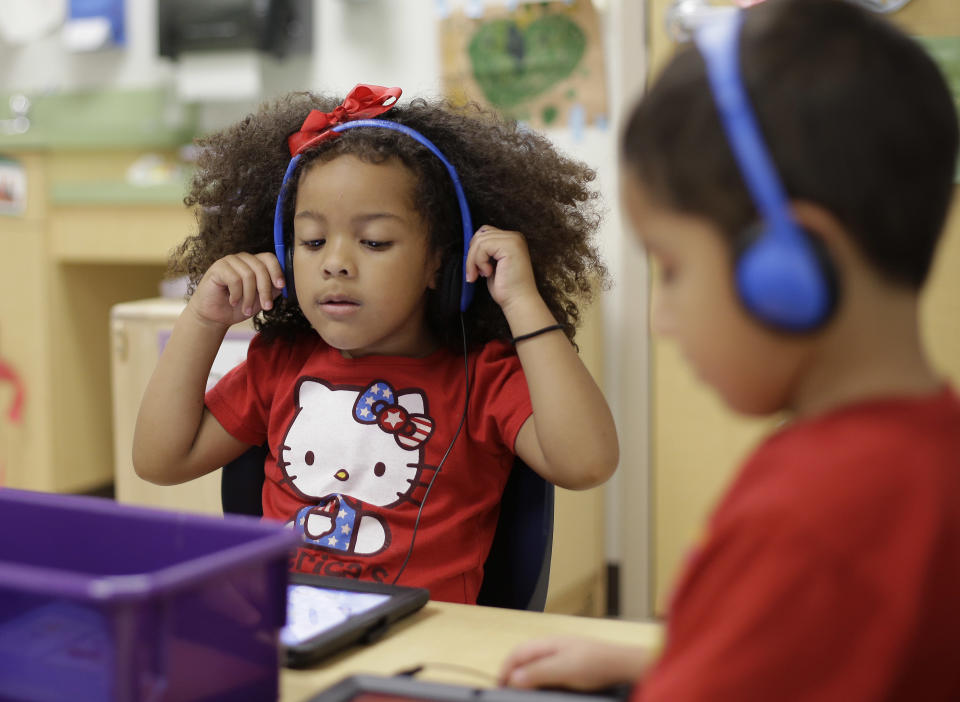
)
(466, 635)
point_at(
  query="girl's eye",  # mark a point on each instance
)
(376, 245)
(314, 243)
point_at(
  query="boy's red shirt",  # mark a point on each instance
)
(831, 568)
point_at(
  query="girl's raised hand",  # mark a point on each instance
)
(503, 259)
(236, 287)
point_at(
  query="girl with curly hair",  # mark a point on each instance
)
(374, 380)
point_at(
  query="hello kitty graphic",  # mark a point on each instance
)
(347, 447)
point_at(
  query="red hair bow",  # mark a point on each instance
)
(363, 102)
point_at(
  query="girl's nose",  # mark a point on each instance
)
(337, 260)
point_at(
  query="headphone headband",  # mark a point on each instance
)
(279, 245)
(718, 42)
(783, 276)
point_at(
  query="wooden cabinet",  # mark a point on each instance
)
(24, 335)
(64, 265)
(138, 331)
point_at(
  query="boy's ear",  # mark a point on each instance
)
(820, 222)
(434, 263)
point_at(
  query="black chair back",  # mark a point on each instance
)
(517, 570)
(241, 483)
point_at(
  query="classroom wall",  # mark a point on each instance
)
(45, 65)
(354, 41)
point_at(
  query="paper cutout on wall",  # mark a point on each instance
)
(534, 62)
(13, 187)
(13, 414)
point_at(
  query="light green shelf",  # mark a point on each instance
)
(116, 193)
(107, 119)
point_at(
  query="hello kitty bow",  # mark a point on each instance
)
(378, 405)
(363, 102)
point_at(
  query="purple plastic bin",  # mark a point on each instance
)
(101, 601)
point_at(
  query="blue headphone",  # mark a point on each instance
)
(453, 290)
(782, 274)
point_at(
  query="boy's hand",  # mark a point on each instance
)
(237, 287)
(573, 663)
(503, 259)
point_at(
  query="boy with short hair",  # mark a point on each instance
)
(791, 175)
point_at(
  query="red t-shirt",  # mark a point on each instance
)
(831, 568)
(354, 443)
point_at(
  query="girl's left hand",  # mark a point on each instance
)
(503, 259)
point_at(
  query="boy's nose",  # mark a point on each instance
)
(661, 321)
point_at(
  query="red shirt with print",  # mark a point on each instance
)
(355, 442)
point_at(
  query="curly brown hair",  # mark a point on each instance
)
(514, 179)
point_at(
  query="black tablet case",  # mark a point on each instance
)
(364, 627)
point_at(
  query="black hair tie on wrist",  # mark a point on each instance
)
(538, 332)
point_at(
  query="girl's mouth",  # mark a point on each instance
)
(339, 306)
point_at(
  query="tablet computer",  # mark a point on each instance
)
(326, 614)
(375, 688)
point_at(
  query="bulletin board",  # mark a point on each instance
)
(540, 63)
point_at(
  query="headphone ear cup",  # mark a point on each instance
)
(448, 288)
(787, 281)
(288, 276)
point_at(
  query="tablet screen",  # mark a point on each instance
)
(312, 610)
